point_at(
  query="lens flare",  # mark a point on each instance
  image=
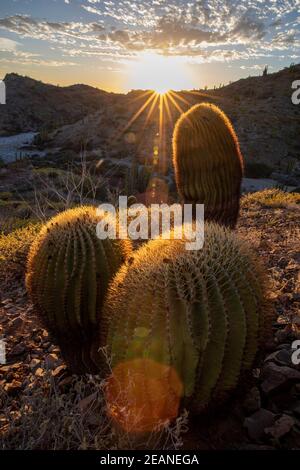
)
(142, 395)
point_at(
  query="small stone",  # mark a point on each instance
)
(252, 401)
(58, 371)
(256, 423)
(51, 361)
(276, 377)
(281, 357)
(15, 324)
(34, 363)
(39, 372)
(281, 427)
(13, 388)
(18, 350)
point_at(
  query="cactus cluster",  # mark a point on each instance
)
(188, 323)
(199, 312)
(68, 272)
(208, 163)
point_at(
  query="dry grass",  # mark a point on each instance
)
(14, 248)
(274, 198)
(74, 417)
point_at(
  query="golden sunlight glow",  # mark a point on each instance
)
(158, 73)
(143, 395)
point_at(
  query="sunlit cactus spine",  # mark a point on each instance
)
(208, 163)
(68, 272)
(202, 313)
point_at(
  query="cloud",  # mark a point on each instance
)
(27, 26)
(176, 27)
(8, 45)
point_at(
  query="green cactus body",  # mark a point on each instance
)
(68, 272)
(199, 312)
(208, 163)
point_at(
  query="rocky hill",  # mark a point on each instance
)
(119, 128)
(32, 105)
(266, 121)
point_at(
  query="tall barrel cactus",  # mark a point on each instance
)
(202, 313)
(208, 163)
(68, 272)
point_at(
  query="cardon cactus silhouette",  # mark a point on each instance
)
(208, 163)
(68, 272)
(201, 313)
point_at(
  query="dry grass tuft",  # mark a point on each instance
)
(14, 248)
(274, 198)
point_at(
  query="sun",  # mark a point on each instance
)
(161, 89)
(158, 73)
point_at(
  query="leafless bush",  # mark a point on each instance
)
(78, 185)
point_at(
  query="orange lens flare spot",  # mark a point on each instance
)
(142, 395)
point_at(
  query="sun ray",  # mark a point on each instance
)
(166, 104)
(204, 95)
(142, 95)
(150, 112)
(136, 115)
(178, 96)
(162, 140)
(174, 102)
(148, 117)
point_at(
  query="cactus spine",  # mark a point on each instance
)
(198, 312)
(208, 163)
(68, 272)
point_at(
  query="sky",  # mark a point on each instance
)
(159, 44)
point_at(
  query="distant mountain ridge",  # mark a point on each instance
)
(260, 107)
(32, 105)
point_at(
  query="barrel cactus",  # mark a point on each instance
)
(208, 163)
(68, 272)
(200, 313)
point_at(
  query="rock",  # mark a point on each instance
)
(34, 363)
(252, 401)
(39, 372)
(18, 350)
(51, 361)
(256, 423)
(275, 377)
(13, 388)
(15, 324)
(287, 180)
(281, 427)
(58, 371)
(281, 357)
(53, 349)
(285, 334)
